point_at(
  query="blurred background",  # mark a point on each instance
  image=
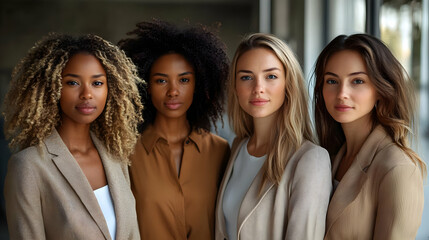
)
(306, 25)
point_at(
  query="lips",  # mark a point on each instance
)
(259, 101)
(173, 105)
(343, 108)
(85, 108)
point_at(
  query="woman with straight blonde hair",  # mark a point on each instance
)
(278, 182)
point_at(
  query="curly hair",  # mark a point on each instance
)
(293, 124)
(396, 107)
(31, 106)
(199, 46)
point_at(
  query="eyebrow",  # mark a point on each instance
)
(351, 74)
(78, 76)
(165, 75)
(266, 70)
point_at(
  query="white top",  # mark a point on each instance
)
(245, 169)
(106, 204)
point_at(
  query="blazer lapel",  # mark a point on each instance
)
(71, 171)
(252, 198)
(114, 177)
(354, 179)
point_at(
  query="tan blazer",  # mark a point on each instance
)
(48, 196)
(296, 209)
(380, 196)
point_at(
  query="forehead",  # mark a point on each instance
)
(171, 61)
(346, 61)
(258, 58)
(83, 62)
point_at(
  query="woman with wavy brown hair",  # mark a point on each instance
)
(364, 107)
(71, 116)
(278, 182)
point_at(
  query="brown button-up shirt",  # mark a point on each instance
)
(171, 206)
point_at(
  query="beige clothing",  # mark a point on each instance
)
(172, 207)
(295, 209)
(49, 197)
(379, 197)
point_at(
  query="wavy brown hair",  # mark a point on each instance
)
(396, 105)
(31, 106)
(293, 125)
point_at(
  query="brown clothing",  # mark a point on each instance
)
(171, 206)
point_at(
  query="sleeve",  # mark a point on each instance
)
(309, 196)
(400, 204)
(23, 201)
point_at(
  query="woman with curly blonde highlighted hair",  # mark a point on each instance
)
(71, 115)
(364, 112)
(277, 183)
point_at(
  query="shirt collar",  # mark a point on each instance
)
(150, 137)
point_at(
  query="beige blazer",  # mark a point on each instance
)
(48, 196)
(295, 209)
(380, 196)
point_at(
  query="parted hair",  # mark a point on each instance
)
(395, 108)
(201, 47)
(293, 125)
(31, 107)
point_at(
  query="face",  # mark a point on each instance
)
(260, 82)
(172, 84)
(84, 89)
(348, 91)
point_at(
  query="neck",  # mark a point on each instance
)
(172, 129)
(75, 136)
(356, 133)
(262, 129)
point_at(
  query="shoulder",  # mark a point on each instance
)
(311, 161)
(390, 158)
(310, 152)
(27, 157)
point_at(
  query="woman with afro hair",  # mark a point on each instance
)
(178, 164)
(71, 115)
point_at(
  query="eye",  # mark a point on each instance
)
(160, 81)
(72, 83)
(358, 81)
(331, 81)
(184, 80)
(271, 76)
(245, 78)
(98, 83)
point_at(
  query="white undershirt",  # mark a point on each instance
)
(245, 169)
(106, 204)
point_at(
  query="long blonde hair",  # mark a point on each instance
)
(293, 125)
(31, 108)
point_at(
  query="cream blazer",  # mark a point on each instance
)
(48, 196)
(379, 197)
(295, 209)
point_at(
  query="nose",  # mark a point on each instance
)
(343, 91)
(173, 90)
(86, 92)
(259, 86)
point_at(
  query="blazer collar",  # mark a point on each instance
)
(251, 198)
(356, 176)
(71, 171)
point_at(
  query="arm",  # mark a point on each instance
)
(23, 201)
(400, 204)
(309, 196)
